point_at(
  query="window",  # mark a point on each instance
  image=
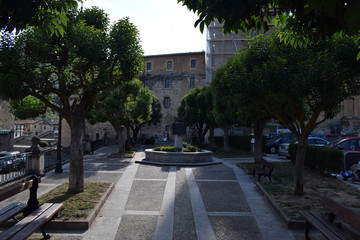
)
(192, 82)
(147, 83)
(167, 83)
(166, 102)
(169, 65)
(193, 63)
(168, 128)
(148, 66)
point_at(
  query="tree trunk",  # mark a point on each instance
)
(135, 131)
(258, 131)
(119, 132)
(128, 136)
(226, 138)
(76, 170)
(211, 136)
(299, 167)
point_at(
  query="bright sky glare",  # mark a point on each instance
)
(164, 25)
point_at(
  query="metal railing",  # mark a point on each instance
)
(18, 167)
(21, 166)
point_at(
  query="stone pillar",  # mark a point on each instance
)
(37, 157)
(178, 143)
(178, 130)
(37, 164)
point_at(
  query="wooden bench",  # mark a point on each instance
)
(34, 216)
(326, 226)
(265, 171)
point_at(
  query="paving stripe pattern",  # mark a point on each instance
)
(200, 203)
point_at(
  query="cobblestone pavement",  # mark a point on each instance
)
(153, 202)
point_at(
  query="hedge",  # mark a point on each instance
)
(242, 142)
(320, 158)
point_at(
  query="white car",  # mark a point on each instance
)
(313, 141)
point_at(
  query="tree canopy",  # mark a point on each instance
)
(195, 110)
(50, 15)
(67, 72)
(129, 104)
(311, 18)
(299, 87)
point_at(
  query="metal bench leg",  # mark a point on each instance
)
(307, 230)
(45, 235)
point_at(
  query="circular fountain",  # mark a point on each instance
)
(178, 157)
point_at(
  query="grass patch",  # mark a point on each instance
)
(125, 154)
(76, 206)
(315, 187)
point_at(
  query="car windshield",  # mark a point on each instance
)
(276, 139)
(292, 141)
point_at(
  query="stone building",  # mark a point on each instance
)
(6, 127)
(170, 77)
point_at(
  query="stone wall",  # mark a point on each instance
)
(6, 118)
(170, 85)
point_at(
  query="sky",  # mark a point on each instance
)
(164, 25)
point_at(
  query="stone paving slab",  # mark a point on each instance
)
(146, 195)
(152, 172)
(235, 228)
(223, 197)
(218, 172)
(135, 227)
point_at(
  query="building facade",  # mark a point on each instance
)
(170, 77)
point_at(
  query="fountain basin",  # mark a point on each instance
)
(179, 158)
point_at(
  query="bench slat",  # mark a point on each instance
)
(17, 189)
(331, 226)
(348, 215)
(11, 210)
(38, 222)
(22, 224)
(320, 224)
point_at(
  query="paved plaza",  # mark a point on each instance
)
(166, 202)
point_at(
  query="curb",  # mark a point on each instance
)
(290, 224)
(81, 224)
(144, 161)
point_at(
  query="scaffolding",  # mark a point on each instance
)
(220, 47)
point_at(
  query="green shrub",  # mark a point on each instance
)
(190, 148)
(43, 144)
(320, 157)
(165, 149)
(185, 144)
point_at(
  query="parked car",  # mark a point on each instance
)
(313, 141)
(272, 146)
(347, 144)
(10, 161)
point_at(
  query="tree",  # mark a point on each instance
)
(155, 117)
(226, 108)
(127, 105)
(67, 73)
(299, 87)
(50, 15)
(303, 20)
(194, 109)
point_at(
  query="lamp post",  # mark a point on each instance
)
(58, 168)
